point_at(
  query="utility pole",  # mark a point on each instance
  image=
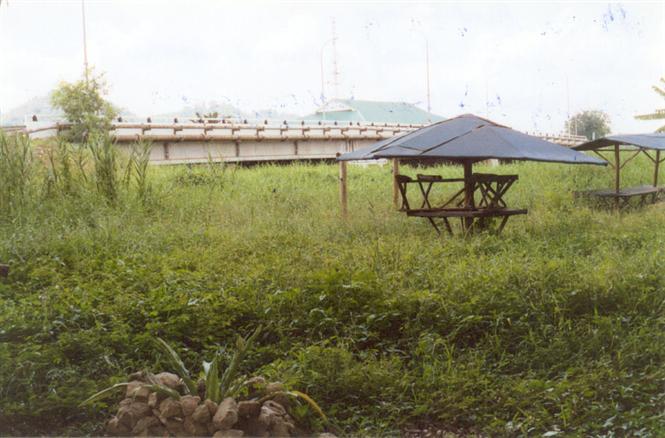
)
(487, 99)
(85, 42)
(429, 103)
(568, 106)
(323, 82)
(335, 67)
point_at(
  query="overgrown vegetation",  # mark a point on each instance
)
(554, 327)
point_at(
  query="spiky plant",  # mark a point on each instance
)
(658, 114)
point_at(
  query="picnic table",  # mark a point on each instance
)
(491, 189)
(622, 198)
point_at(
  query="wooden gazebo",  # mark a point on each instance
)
(631, 145)
(465, 139)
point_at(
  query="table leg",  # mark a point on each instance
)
(448, 227)
(502, 225)
(431, 221)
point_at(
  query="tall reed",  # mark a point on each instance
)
(16, 164)
(105, 158)
(137, 166)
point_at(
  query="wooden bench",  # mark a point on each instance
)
(622, 198)
(491, 188)
(480, 213)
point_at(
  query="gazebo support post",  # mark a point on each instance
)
(395, 183)
(343, 198)
(655, 172)
(468, 192)
(617, 174)
(617, 168)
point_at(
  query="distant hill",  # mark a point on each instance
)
(37, 105)
(270, 114)
(41, 106)
(228, 111)
(224, 110)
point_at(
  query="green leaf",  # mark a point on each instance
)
(213, 390)
(230, 373)
(177, 363)
(103, 393)
(310, 401)
(164, 390)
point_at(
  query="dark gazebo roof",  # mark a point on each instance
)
(468, 137)
(647, 141)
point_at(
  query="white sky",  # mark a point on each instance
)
(523, 64)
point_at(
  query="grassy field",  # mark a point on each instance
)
(555, 327)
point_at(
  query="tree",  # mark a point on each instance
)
(84, 107)
(591, 124)
(658, 114)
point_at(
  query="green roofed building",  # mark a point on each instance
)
(368, 111)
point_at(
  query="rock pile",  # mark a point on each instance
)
(147, 413)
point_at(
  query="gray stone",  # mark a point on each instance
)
(189, 404)
(212, 406)
(281, 428)
(155, 398)
(201, 414)
(275, 419)
(158, 415)
(130, 413)
(170, 408)
(143, 424)
(116, 428)
(169, 380)
(253, 427)
(175, 426)
(192, 428)
(137, 391)
(126, 417)
(226, 415)
(141, 409)
(249, 408)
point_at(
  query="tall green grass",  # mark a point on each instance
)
(554, 326)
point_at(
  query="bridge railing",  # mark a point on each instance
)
(238, 130)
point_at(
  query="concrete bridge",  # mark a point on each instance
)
(237, 141)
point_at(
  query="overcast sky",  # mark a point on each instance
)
(524, 64)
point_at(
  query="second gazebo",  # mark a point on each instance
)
(465, 139)
(650, 145)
